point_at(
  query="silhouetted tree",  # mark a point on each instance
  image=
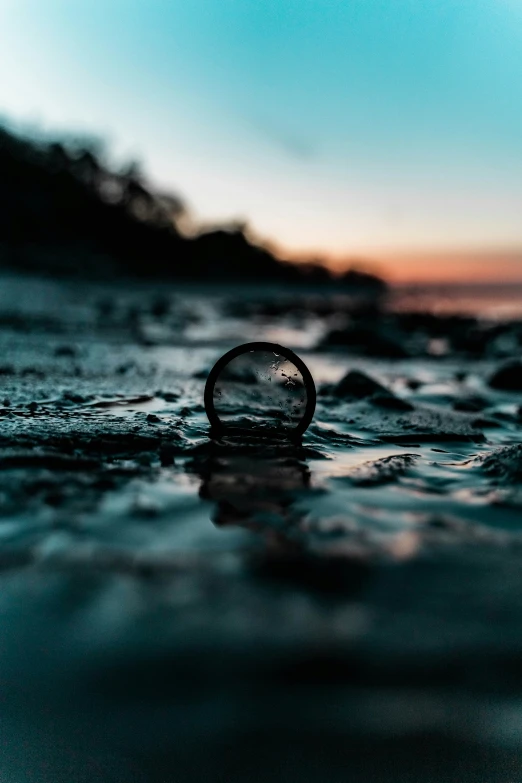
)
(60, 200)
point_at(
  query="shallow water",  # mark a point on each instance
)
(181, 608)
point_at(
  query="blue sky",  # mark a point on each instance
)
(336, 126)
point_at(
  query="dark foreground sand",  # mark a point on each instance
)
(180, 609)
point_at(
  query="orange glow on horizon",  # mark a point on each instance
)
(429, 266)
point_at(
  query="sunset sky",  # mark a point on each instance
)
(387, 129)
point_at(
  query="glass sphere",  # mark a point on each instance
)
(260, 388)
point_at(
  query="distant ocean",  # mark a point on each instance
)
(497, 301)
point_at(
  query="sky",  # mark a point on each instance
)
(388, 130)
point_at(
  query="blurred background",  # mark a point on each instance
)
(376, 134)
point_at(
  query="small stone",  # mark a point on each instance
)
(508, 377)
(357, 385)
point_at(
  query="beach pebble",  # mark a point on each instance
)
(508, 377)
(357, 385)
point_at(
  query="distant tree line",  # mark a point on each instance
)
(63, 209)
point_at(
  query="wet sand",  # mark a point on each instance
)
(348, 607)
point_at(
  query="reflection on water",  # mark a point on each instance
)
(257, 490)
(271, 495)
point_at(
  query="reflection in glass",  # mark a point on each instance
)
(260, 389)
(256, 492)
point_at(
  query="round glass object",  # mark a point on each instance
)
(260, 388)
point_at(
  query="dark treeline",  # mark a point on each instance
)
(64, 210)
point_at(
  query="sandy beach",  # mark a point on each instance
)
(171, 602)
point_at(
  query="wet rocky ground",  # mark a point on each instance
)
(180, 608)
